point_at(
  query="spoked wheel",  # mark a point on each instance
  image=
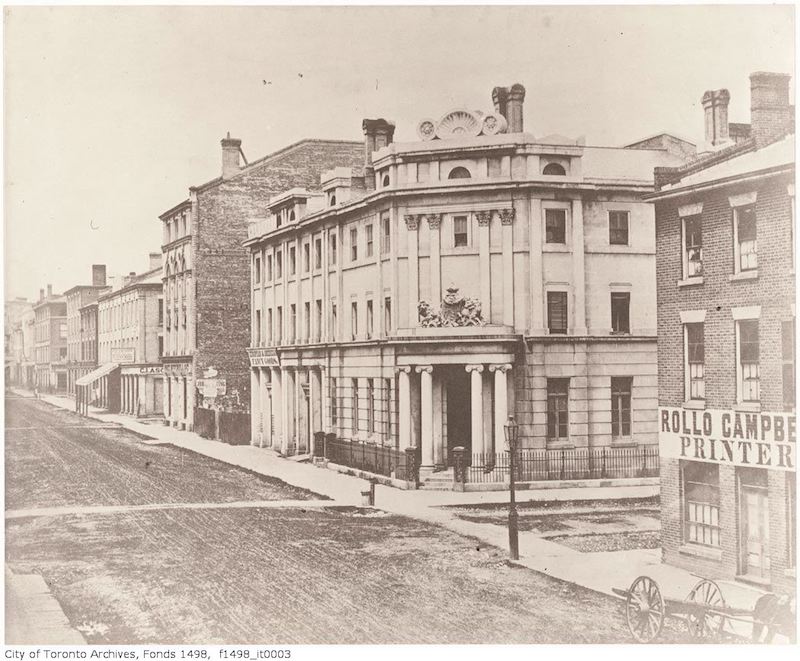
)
(704, 624)
(644, 609)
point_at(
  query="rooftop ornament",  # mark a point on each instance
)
(456, 310)
(462, 123)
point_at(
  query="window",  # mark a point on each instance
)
(460, 237)
(160, 346)
(701, 503)
(292, 260)
(369, 318)
(332, 255)
(257, 329)
(555, 225)
(332, 199)
(695, 361)
(333, 402)
(318, 320)
(692, 247)
(745, 245)
(168, 323)
(268, 274)
(459, 173)
(353, 244)
(306, 257)
(371, 406)
(291, 216)
(621, 407)
(257, 270)
(278, 264)
(62, 331)
(368, 232)
(160, 311)
(279, 325)
(269, 327)
(307, 321)
(354, 413)
(620, 312)
(554, 169)
(353, 319)
(386, 233)
(557, 409)
(292, 322)
(387, 411)
(618, 228)
(334, 322)
(279, 219)
(787, 359)
(385, 180)
(557, 312)
(317, 253)
(387, 314)
(748, 360)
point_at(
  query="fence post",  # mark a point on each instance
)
(603, 465)
(459, 468)
(412, 470)
(644, 461)
(330, 436)
(561, 474)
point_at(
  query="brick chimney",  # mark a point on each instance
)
(377, 134)
(98, 275)
(231, 149)
(155, 260)
(715, 107)
(771, 116)
(509, 103)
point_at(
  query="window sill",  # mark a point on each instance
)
(690, 282)
(556, 247)
(748, 407)
(701, 551)
(744, 275)
(695, 404)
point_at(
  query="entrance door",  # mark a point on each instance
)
(459, 420)
(755, 529)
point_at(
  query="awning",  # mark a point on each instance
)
(91, 377)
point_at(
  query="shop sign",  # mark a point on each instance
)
(759, 440)
(122, 355)
(212, 387)
(144, 369)
(264, 358)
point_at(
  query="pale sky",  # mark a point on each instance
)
(112, 113)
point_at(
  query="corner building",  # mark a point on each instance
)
(475, 272)
(726, 354)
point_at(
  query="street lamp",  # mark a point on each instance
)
(511, 429)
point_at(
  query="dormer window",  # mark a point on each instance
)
(554, 169)
(459, 173)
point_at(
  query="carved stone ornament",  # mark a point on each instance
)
(434, 220)
(455, 310)
(460, 123)
(484, 217)
(426, 129)
(412, 222)
(507, 216)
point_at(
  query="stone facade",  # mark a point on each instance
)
(50, 349)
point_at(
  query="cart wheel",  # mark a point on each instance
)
(708, 594)
(644, 609)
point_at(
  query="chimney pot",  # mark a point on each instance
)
(231, 149)
(155, 260)
(509, 101)
(377, 134)
(41, 294)
(49, 291)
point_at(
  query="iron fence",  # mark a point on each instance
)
(205, 423)
(373, 458)
(234, 428)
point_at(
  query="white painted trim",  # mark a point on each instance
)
(693, 316)
(746, 312)
(743, 199)
(690, 209)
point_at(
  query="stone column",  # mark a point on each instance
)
(412, 225)
(404, 407)
(426, 414)
(278, 408)
(535, 268)
(315, 386)
(500, 404)
(578, 271)
(266, 408)
(484, 268)
(476, 406)
(288, 387)
(438, 458)
(434, 222)
(255, 406)
(507, 220)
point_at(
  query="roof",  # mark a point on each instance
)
(777, 155)
(91, 377)
(147, 279)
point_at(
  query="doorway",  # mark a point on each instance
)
(459, 418)
(754, 500)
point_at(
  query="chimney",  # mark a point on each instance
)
(41, 294)
(126, 280)
(771, 116)
(155, 260)
(98, 275)
(508, 101)
(49, 291)
(715, 107)
(377, 134)
(231, 148)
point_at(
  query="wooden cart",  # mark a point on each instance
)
(704, 612)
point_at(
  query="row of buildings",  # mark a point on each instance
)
(396, 295)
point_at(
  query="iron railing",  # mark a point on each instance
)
(372, 458)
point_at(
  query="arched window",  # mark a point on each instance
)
(459, 173)
(291, 215)
(554, 169)
(385, 180)
(332, 200)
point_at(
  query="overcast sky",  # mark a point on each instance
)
(112, 113)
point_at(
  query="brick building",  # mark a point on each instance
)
(50, 349)
(77, 297)
(478, 271)
(206, 273)
(726, 345)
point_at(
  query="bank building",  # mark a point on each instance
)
(402, 310)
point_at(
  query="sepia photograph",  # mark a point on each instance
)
(380, 325)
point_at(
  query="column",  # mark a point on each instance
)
(507, 220)
(578, 273)
(438, 458)
(289, 395)
(500, 404)
(404, 407)
(426, 414)
(255, 407)
(315, 387)
(535, 267)
(434, 222)
(412, 225)
(278, 409)
(476, 406)
(265, 395)
(484, 268)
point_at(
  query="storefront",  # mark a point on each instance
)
(142, 390)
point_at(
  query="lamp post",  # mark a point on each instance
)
(511, 431)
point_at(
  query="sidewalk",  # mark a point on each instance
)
(597, 571)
